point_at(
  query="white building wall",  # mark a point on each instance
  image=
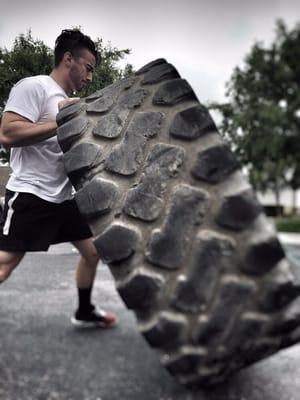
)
(286, 198)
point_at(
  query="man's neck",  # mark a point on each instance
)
(59, 79)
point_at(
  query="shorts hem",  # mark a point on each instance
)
(22, 250)
(75, 239)
(31, 190)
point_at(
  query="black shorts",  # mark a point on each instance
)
(29, 223)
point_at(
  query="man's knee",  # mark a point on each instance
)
(4, 274)
(88, 251)
(92, 258)
(8, 262)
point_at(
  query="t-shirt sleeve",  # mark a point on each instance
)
(27, 99)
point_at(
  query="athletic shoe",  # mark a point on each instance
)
(94, 318)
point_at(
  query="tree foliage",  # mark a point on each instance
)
(262, 117)
(29, 56)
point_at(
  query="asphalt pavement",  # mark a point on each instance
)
(42, 357)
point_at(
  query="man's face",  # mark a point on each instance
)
(81, 70)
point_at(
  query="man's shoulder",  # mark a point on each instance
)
(41, 80)
(42, 84)
(38, 81)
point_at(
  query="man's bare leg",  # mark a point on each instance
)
(87, 314)
(87, 266)
(8, 262)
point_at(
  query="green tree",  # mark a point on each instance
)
(29, 56)
(262, 117)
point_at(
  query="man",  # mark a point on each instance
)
(39, 209)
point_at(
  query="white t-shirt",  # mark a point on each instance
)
(38, 169)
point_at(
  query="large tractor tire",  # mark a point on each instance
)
(189, 246)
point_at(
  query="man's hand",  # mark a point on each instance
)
(67, 102)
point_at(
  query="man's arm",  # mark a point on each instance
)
(18, 131)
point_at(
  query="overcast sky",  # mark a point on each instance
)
(204, 40)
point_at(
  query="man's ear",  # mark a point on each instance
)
(67, 59)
